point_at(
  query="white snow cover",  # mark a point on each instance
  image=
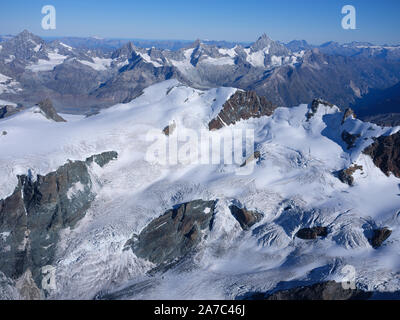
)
(219, 61)
(99, 64)
(10, 59)
(66, 46)
(148, 59)
(257, 58)
(47, 65)
(299, 158)
(8, 85)
(230, 52)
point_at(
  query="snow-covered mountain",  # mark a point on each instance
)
(84, 206)
(82, 81)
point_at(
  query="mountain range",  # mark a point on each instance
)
(84, 79)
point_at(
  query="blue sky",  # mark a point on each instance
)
(316, 21)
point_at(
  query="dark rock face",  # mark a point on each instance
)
(380, 235)
(176, 233)
(168, 130)
(8, 111)
(47, 107)
(246, 218)
(348, 113)
(312, 233)
(33, 216)
(254, 157)
(385, 152)
(241, 106)
(314, 107)
(103, 158)
(346, 175)
(349, 138)
(329, 290)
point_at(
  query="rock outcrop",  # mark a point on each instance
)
(347, 114)
(46, 106)
(7, 111)
(346, 175)
(175, 234)
(103, 158)
(241, 105)
(312, 233)
(315, 105)
(349, 138)
(168, 130)
(33, 216)
(379, 236)
(254, 157)
(385, 152)
(246, 218)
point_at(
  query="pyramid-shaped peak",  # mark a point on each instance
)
(26, 36)
(264, 36)
(197, 44)
(262, 42)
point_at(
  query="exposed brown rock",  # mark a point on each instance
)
(349, 138)
(50, 113)
(246, 218)
(242, 105)
(312, 233)
(385, 152)
(380, 235)
(346, 175)
(348, 113)
(314, 107)
(168, 130)
(254, 157)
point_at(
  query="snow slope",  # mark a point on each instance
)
(293, 185)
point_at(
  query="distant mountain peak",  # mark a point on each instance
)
(262, 42)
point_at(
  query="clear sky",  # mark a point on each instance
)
(316, 21)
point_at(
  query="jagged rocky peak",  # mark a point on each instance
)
(34, 215)
(175, 234)
(350, 139)
(347, 114)
(262, 42)
(385, 153)
(246, 218)
(312, 233)
(46, 107)
(379, 236)
(242, 105)
(346, 175)
(27, 36)
(103, 158)
(273, 47)
(125, 51)
(315, 105)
